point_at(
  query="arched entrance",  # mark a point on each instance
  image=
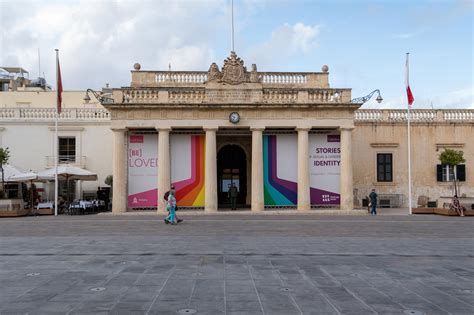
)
(231, 169)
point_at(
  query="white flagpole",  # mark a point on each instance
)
(409, 147)
(56, 184)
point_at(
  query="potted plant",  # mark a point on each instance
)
(4, 157)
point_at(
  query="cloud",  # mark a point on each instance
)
(99, 41)
(285, 41)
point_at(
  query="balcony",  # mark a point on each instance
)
(74, 160)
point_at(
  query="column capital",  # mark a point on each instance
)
(163, 129)
(210, 128)
(303, 128)
(257, 128)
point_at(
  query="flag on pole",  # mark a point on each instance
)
(59, 86)
(410, 97)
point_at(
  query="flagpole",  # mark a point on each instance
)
(409, 149)
(56, 184)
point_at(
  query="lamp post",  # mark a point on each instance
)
(103, 98)
(363, 99)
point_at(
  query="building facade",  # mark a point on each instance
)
(282, 139)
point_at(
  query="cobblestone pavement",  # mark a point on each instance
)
(237, 264)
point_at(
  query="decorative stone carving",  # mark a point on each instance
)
(214, 74)
(254, 74)
(233, 71)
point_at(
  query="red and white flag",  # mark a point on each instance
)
(410, 97)
(59, 83)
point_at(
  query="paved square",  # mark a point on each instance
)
(237, 264)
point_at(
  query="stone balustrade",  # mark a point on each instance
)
(181, 76)
(326, 96)
(42, 113)
(283, 78)
(186, 95)
(280, 96)
(361, 115)
(140, 96)
(416, 115)
(195, 78)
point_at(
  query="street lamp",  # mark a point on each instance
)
(103, 98)
(363, 99)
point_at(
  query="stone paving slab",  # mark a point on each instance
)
(237, 264)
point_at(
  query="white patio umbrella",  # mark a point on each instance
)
(69, 172)
(31, 177)
(9, 171)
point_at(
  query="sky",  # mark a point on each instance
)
(364, 43)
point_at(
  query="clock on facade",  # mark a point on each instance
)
(234, 117)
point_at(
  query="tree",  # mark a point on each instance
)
(452, 158)
(109, 180)
(4, 157)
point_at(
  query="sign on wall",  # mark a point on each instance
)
(187, 169)
(280, 169)
(324, 168)
(142, 170)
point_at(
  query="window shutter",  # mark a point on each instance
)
(461, 172)
(439, 173)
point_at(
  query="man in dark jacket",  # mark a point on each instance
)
(233, 194)
(373, 202)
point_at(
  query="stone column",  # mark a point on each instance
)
(119, 194)
(210, 174)
(303, 169)
(346, 188)
(164, 167)
(257, 169)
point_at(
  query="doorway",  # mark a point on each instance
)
(231, 170)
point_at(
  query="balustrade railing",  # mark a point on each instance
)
(278, 96)
(66, 159)
(181, 76)
(416, 116)
(140, 95)
(467, 114)
(282, 78)
(325, 96)
(50, 113)
(189, 77)
(186, 96)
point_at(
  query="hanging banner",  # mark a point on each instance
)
(280, 169)
(187, 169)
(324, 168)
(142, 170)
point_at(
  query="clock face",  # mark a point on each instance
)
(234, 117)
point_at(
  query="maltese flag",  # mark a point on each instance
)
(410, 97)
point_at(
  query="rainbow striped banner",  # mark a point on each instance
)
(278, 191)
(190, 161)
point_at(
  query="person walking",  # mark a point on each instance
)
(233, 193)
(165, 197)
(373, 202)
(171, 206)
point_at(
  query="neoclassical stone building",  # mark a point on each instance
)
(282, 138)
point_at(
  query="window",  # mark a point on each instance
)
(384, 167)
(445, 173)
(67, 149)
